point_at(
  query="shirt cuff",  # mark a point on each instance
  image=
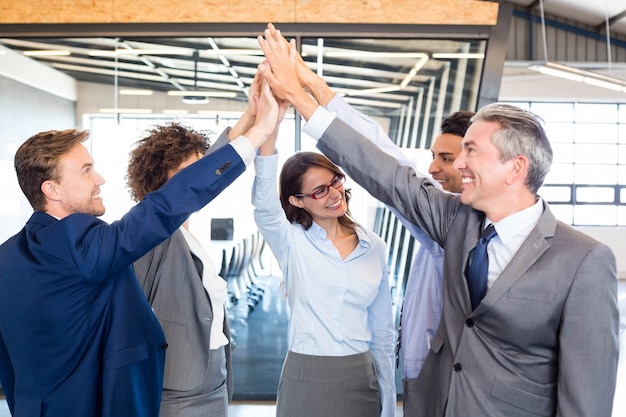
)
(337, 105)
(318, 123)
(244, 148)
(266, 166)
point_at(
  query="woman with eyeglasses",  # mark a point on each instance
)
(340, 360)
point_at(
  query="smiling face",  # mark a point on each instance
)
(484, 175)
(330, 207)
(78, 189)
(445, 150)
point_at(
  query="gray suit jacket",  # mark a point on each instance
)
(173, 285)
(171, 278)
(544, 340)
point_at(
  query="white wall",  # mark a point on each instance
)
(522, 84)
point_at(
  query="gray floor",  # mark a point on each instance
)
(237, 409)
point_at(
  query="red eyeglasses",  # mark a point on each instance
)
(322, 191)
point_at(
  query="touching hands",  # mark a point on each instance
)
(279, 67)
(269, 146)
(254, 93)
(247, 119)
(280, 71)
(266, 119)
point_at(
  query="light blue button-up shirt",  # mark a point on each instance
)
(338, 307)
(423, 297)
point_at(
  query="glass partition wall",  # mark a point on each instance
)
(408, 78)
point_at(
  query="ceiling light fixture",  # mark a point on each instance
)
(193, 97)
(369, 54)
(574, 74)
(375, 103)
(458, 55)
(51, 52)
(125, 51)
(378, 90)
(232, 52)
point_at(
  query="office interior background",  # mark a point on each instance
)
(118, 74)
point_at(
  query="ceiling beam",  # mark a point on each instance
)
(601, 28)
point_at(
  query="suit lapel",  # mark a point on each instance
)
(531, 250)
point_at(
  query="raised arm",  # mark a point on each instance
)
(246, 121)
(280, 71)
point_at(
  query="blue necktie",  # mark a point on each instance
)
(479, 266)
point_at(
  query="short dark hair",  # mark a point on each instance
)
(457, 123)
(163, 149)
(37, 160)
(291, 175)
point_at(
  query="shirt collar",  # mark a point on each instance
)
(521, 222)
(318, 232)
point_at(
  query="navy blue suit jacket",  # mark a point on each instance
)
(77, 335)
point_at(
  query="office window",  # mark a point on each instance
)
(587, 182)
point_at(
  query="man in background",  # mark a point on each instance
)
(423, 295)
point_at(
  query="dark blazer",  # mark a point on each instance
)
(171, 278)
(544, 340)
(77, 335)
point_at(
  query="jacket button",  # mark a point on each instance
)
(223, 168)
(469, 323)
(164, 346)
(457, 367)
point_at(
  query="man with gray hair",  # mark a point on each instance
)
(530, 320)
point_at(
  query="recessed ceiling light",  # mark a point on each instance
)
(195, 99)
(457, 55)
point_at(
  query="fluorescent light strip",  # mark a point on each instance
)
(371, 91)
(232, 52)
(604, 84)
(557, 73)
(125, 92)
(124, 51)
(182, 93)
(51, 52)
(575, 74)
(373, 103)
(458, 55)
(418, 66)
(368, 54)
